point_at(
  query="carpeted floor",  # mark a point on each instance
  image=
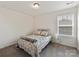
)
(52, 50)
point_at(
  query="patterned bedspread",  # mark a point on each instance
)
(34, 48)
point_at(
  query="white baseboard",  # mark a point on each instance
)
(8, 44)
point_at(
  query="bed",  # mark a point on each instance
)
(34, 43)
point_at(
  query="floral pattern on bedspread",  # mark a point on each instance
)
(28, 47)
(34, 48)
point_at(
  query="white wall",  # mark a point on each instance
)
(13, 25)
(49, 21)
(46, 21)
(78, 28)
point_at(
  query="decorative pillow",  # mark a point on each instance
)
(44, 33)
(38, 32)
